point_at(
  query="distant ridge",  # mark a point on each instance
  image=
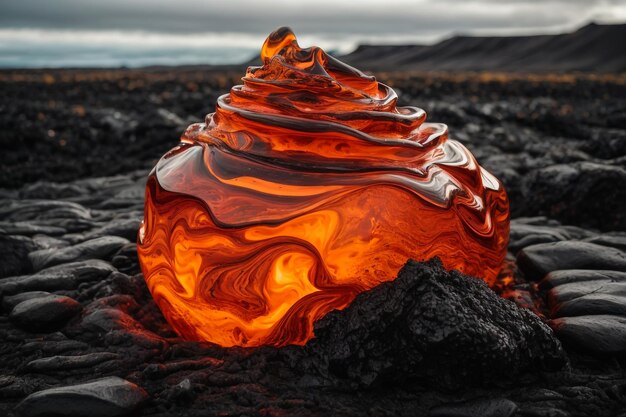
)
(592, 48)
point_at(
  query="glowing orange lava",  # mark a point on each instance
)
(306, 187)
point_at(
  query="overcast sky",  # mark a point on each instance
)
(232, 27)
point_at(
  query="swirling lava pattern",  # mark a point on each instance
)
(306, 187)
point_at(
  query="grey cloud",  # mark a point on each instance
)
(315, 17)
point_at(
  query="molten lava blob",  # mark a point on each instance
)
(307, 186)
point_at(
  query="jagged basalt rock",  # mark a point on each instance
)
(442, 328)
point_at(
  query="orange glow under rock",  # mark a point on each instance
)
(306, 187)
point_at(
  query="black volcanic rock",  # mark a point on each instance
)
(557, 278)
(46, 313)
(126, 228)
(617, 241)
(60, 363)
(587, 307)
(586, 193)
(59, 277)
(591, 304)
(106, 397)
(14, 252)
(10, 301)
(574, 290)
(538, 260)
(25, 210)
(119, 328)
(522, 235)
(98, 248)
(442, 328)
(29, 228)
(603, 334)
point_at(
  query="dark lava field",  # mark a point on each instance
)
(80, 334)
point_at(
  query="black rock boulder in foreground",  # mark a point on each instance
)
(429, 325)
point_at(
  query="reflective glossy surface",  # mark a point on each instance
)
(306, 187)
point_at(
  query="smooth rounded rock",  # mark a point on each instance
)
(614, 241)
(573, 290)
(522, 235)
(10, 301)
(527, 232)
(123, 227)
(125, 328)
(45, 314)
(49, 242)
(106, 397)
(60, 277)
(565, 276)
(24, 210)
(591, 304)
(600, 334)
(99, 248)
(538, 260)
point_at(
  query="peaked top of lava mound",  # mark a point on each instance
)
(321, 102)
